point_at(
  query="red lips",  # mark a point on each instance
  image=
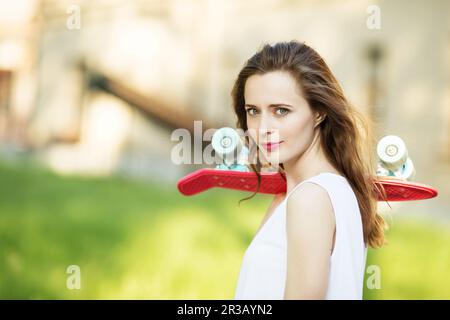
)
(271, 145)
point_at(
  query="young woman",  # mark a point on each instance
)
(312, 243)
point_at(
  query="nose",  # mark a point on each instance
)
(266, 128)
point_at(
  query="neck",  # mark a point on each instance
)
(309, 164)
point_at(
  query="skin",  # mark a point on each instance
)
(277, 111)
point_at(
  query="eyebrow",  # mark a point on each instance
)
(271, 105)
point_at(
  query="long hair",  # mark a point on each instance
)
(346, 135)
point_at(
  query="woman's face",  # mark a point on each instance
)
(277, 112)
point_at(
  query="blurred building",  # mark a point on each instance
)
(98, 86)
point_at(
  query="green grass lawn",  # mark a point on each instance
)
(133, 240)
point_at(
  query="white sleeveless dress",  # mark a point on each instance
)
(263, 270)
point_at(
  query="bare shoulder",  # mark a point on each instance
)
(307, 198)
(308, 192)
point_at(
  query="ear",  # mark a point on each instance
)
(319, 118)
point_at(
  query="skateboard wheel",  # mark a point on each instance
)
(227, 144)
(392, 152)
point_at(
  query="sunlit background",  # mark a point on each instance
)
(90, 92)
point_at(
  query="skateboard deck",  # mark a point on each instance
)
(274, 183)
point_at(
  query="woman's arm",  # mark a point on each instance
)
(310, 225)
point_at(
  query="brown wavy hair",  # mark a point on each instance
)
(346, 135)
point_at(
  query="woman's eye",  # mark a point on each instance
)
(249, 111)
(284, 111)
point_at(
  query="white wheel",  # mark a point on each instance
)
(227, 143)
(392, 152)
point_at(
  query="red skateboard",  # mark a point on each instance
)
(274, 183)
